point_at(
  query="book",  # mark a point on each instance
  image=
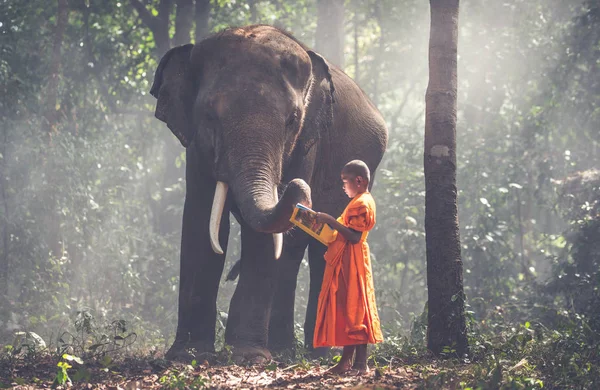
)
(305, 219)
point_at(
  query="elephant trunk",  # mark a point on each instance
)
(260, 207)
(255, 192)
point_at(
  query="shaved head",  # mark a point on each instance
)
(358, 168)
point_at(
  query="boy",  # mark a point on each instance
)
(346, 314)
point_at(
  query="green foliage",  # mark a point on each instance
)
(90, 213)
(62, 376)
(93, 340)
(185, 378)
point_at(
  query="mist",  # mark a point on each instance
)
(93, 186)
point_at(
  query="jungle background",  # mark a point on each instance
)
(92, 185)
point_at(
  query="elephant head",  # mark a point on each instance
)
(251, 101)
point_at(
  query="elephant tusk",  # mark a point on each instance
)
(215, 216)
(277, 237)
(278, 242)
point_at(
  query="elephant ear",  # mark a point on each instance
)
(321, 71)
(175, 89)
(319, 115)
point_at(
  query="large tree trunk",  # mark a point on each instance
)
(446, 318)
(53, 232)
(4, 222)
(330, 30)
(165, 221)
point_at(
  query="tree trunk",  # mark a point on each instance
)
(166, 221)
(202, 16)
(253, 11)
(446, 317)
(184, 17)
(5, 220)
(356, 48)
(330, 30)
(51, 116)
(53, 233)
(380, 52)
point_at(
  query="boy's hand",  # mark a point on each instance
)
(324, 218)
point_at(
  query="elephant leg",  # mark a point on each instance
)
(316, 262)
(281, 324)
(200, 267)
(248, 320)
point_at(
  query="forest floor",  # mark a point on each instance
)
(150, 373)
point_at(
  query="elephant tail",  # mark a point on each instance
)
(234, 272)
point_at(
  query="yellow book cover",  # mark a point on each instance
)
(304, 218)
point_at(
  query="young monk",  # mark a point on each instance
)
(346, 315)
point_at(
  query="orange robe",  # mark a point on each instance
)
(347, 314)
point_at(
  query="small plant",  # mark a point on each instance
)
(91, 339)
(304, 364)
(62, 375)
(186, 378)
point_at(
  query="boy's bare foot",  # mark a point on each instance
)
(360, 361)
(345, 363)
(339, 369)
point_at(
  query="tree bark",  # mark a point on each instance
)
(51, 116)
(356, 48)
(446, 318)
(168, 222)
(184, 18)
(202, 16)
(253, 11)
(330, 30)
(53, 233)
(380, 51)
(5, 258)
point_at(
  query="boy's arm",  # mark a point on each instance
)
(349, 234)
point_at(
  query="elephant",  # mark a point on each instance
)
(267, 123)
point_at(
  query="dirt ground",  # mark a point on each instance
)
(133, 374)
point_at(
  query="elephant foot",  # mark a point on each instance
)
(252, 355)
(186, 351)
